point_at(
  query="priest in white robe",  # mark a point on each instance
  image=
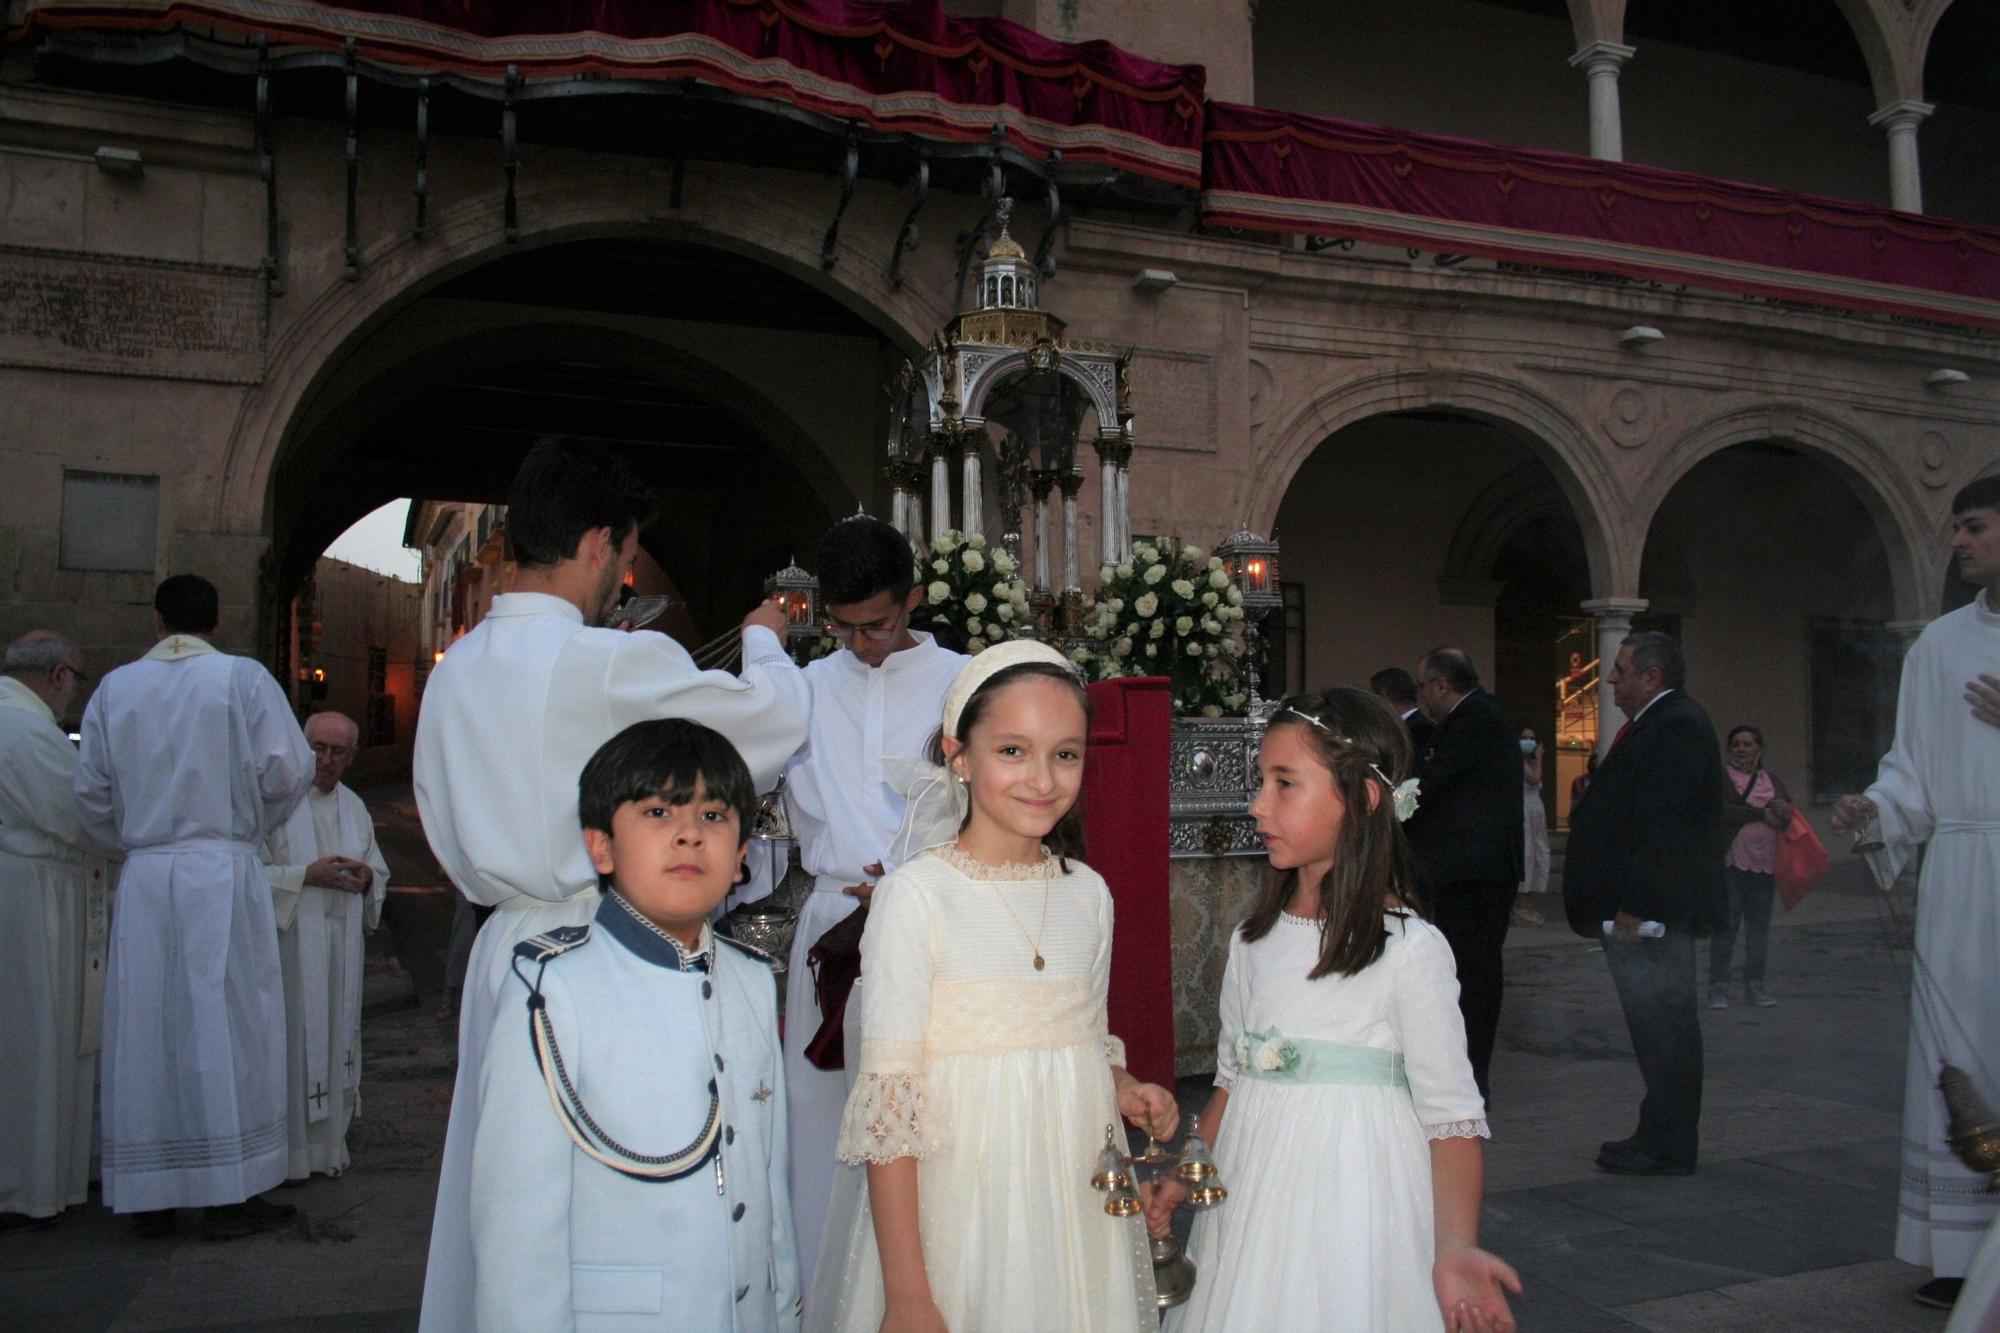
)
(190, 758)
(49, 900)
(328, 880)
(509, 718)
(1940, 784)
(874, 702)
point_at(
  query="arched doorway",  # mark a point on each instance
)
(749, 398)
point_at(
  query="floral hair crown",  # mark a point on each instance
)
(1403, 795)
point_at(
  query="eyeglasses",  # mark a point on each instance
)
(876, 633)
(76, 673)
(331, 751)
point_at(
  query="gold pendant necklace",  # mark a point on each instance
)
(1034, 944)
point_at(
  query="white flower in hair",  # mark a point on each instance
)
(1405, 796)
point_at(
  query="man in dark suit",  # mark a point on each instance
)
(1645, 854)
(1468, 835)
(1398, 688)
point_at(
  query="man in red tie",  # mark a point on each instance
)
(1644, 875)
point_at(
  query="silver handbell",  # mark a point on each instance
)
(1198, 1171)
(1111, 1173)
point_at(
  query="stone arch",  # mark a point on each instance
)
(1860, 461)
(1506, 506)
(1538, 421)
(724, 213)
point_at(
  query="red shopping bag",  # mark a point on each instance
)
(1801, 860)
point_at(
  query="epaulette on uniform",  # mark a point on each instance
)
(552, 943)
(750, 949)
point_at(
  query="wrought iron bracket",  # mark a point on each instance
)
(267, 167)
(418, 227)
(1045, 262)
(1315, 244)
(509, 155)
(850, 171)
(907, 235)
(353, 236)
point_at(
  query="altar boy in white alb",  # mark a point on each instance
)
(509, 718)
(328, 879)
(876, 701)
(629, 1170)
(189, 759)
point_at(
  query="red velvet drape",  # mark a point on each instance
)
(1125, 825)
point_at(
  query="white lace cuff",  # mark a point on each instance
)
(1458, 1129)
(1224, 1081)
(886, 1118)
(1114, 1050)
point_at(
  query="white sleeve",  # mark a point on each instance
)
(521, 1168)
(39, 779)
(96, 806)
(1430, 1029)
(1100, 977)
(763, 712)
(284, 759)
(887, 1114)
(1235, 984)
(287, 881)
(1898, 790)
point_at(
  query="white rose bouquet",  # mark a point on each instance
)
(1175, 614)
(972, 588)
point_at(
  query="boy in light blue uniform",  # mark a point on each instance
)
(630, 1163)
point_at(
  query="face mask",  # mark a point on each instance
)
(1528, 746)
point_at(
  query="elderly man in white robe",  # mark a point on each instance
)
(190, 758)
(52, 916)
(328, 879)
(1940, 784)
(873, 703)
(509, 718)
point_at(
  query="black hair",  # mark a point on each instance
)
(1066, 838)
(1652, 648)
(1360, 742)
(1453, 666)
(1981, 494)
(565, 489)
(862, 556)
(188, 604)
(1394, 684)
(1754, 733)
(669, 759)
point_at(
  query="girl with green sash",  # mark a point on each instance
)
(1345, 1117)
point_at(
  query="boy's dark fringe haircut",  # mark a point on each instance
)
(669, 759)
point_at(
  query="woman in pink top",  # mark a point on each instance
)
(1757, 809)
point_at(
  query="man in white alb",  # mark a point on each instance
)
(1940, 784)
(190, 757)
(509, 718)
(878, 699)
(328, 879)
(48, 904)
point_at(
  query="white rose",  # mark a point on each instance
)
(1183, 624)
(1104, 573)
(976, 542)
(1182, 588)
(1194, 650)
(943, 543)
(975, 602)
(973, 625)
(995, 633)
(1005, 611)
(1154, 573)
(1235, 700)
(1218, 578)
(1267, 1056)
(1152, 650)
(1209, 600)
(974, 562)
(1210, 710)
(1215, 562)
(1003, 562)
(1210, 625)
(1123, 647)
(1235, 596)
(1211, 649)
(1191, 554)
(1147, 604)
(1146, 552)
(1125, 570)
(938, 591)
(940, 567)
(1116, 604)
(976, 647)
(1159, 629)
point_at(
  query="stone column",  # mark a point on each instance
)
(943, 447)
(1900, 120)
(1107, 504)
(1601, 61)
(1040, 483)
(1614, 622)
(972, 521)
(1071, 482)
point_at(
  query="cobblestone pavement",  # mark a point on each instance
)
(1788, 1225)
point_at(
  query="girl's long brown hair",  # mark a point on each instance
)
(1372, 865)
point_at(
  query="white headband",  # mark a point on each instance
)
(990, 663)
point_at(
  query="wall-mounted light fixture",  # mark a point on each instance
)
(1640, 335)
(1153, 281)
(1944, 377)
(124, 164)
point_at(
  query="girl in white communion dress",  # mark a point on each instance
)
(1351, 1149)
(987, 1073)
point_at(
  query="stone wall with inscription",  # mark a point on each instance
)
(155, 318)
